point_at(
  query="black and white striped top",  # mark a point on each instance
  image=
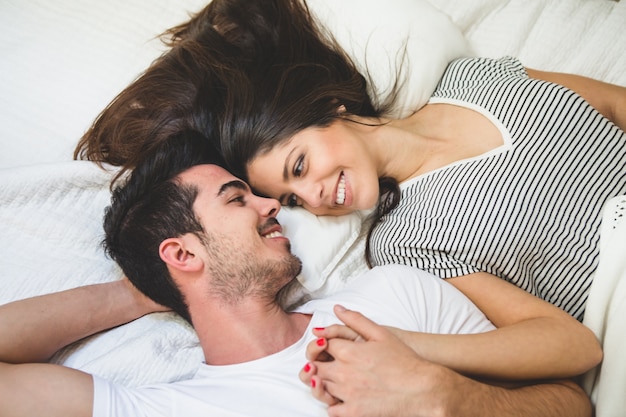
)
(528, 211)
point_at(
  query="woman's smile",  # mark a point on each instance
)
(341, 190)
(319, 169)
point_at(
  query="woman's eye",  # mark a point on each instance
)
(298, 167)
(292, 200)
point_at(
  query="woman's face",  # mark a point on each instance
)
(327, 171)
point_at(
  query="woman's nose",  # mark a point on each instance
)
(313, 195)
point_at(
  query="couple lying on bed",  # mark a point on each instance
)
(194, 238)
(499, 176)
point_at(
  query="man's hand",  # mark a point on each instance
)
(143, 302)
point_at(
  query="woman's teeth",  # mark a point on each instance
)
(341, 190)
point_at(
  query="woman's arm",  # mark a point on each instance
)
(32, 330)
(379, 375)
(534, 339)
(608, 99)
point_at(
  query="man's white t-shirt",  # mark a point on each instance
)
(392, 295)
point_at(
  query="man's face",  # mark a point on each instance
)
(246, 253)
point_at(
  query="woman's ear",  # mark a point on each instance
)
(177, 254)
(341, 109)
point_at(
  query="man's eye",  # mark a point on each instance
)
(299, 166)
(292, 200)
(238, 199)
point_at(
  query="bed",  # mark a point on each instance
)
(62, 62)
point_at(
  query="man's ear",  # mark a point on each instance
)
(176, 253)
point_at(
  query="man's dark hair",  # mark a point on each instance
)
(151, 206)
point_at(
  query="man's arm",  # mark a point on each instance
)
(32, 330)
(608, 99)
(380, 375)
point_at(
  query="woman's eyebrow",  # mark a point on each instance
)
(286, 166)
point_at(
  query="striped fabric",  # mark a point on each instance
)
(528, 211)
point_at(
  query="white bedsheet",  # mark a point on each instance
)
(51, 208)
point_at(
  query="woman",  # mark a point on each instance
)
(503, 177)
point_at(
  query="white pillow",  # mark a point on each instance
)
(320, 242)
(375, 33)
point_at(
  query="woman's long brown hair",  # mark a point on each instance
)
(246, 75)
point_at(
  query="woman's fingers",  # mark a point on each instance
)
(359, 324)
(321, 371)
(316, 350)
(337, 331)
(307, 372)
(318, 389)
(308, 377)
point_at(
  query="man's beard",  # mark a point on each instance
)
(238, 275)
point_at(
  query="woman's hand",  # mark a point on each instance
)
(363, 370)
(316, 352)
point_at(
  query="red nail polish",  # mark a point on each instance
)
(319, 328)
(307, 367)
(320, 341)
(313, 383)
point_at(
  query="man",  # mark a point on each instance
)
(196, 239)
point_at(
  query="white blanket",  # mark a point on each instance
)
(56, 81)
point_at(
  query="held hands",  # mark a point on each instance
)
(363, 369)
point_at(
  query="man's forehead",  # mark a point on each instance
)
(206, 174)
(211, 178)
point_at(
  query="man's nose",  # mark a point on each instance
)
(268, 207)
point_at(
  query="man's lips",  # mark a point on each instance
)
(271, 229)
